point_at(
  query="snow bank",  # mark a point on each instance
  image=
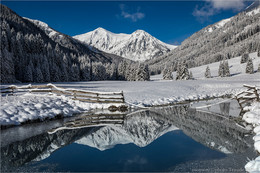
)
(21, 108)
(253, 117)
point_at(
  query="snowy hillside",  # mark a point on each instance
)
(44, 26)
(227, 38)
(235, 67)
(138, 46)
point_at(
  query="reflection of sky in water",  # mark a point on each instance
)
(226, 107)
(162, 154)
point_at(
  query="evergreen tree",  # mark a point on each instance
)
(75, 72)
(191, 75)
(207, 72)
(167, 73)
(45, 70)
(111, 71)
(182, 71)
(6, 66)
(37, 75)
(244, 58)
(64, 73)
(226, 69)
(28, 75)
(122, 67)
(142, 73)
(223, 70)
(250, 66)
(258, 70)
(258, 53)
(98, 71)
(131, 72)
(55, 73)
(85, 71)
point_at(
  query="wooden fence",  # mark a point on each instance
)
(246, 97)
(81, 95)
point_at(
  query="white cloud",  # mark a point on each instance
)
(204, 11)
(227, 4)
(132, 16)
(213, 7)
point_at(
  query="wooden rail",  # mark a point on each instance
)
(246, 97)
(81, 95)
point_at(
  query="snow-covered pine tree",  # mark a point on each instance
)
(221, 69)
(75, 72)
(121, 69)
(178, 71)
(28, 75)
(143, 73)
(85, 71)
(64, 73)
(6, 66)
(182, 71)
(167, 73)
(55, 72)
(250, 66)
(244, 58)
(258, 53)
(131, 72)
(98, 71)
(191, 75)
(207, 72)
(226, 69)
(45, 70)
(37, 75)
(258, 70)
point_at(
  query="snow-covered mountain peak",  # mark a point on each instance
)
(101, 30)
(139, 31)
(138, 46)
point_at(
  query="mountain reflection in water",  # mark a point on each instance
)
(140, 128)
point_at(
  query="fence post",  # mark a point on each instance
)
(123, 98)
(257, 95)
(12, 90)
(74, 94)
(97, 97)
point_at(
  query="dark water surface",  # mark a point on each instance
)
(176, 139)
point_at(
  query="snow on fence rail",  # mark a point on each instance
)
(81, 95)
(245, 97)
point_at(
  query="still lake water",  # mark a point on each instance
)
(176, 139)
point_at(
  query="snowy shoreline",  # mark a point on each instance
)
(28, 108)
(253, 117)
(32, 108)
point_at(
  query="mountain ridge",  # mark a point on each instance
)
(137, 46)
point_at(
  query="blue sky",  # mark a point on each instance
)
(169, 21)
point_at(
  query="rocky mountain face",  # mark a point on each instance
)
(225, 39)
(138, 46)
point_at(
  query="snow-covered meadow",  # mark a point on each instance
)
(20, 108)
